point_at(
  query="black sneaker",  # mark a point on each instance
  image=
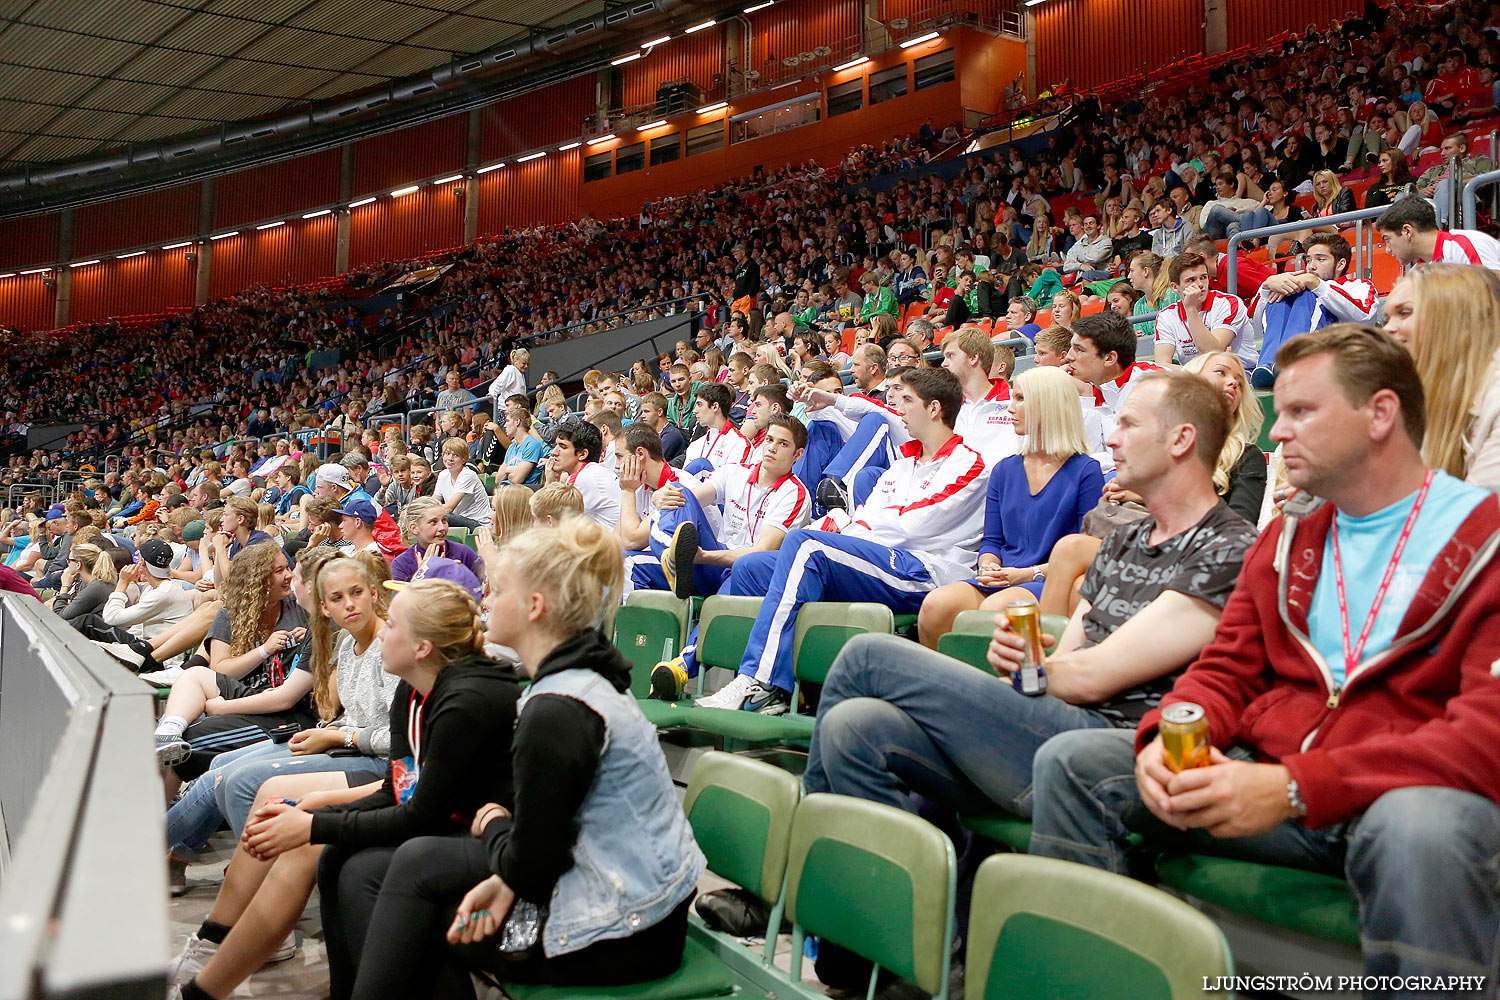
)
(678, 558)
(832, 495)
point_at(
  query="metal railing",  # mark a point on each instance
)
(1363, 258)
(1470, 216)
(83, 901)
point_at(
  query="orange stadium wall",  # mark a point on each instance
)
(1091, 42)
(1252, 21)
(291, 254)
(146, 284)
(700, 58)
(291, 186)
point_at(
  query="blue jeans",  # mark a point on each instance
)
(1422, 862)
(897, 719)
(1256, 218)
(1217, 220)
(228, 788)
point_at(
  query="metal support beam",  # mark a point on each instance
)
(205, 245)
(62, 303)
(341, 217)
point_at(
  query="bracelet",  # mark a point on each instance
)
(349, 738)
(1294, 798)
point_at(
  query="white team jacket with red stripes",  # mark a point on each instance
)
(985, 424)
(933, 509)
(1347, 300)
(1467, 246)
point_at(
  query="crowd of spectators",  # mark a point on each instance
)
(805, 446)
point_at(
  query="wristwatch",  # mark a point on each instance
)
(1038, 574)
(1294, 798)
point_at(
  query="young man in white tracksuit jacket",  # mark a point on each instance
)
(919, 529)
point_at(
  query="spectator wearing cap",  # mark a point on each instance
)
(332, 481)
(439, 568)
(356, 527)
(160, 601)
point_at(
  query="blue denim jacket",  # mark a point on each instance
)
(635, 858)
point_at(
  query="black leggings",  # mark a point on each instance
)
(405, 952)
(348, 884)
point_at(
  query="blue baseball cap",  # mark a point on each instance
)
(359, 507)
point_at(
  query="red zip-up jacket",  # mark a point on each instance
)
(1423, 711)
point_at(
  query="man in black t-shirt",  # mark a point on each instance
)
(894, 720)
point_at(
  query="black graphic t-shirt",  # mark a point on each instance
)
(1129, 573)
(272, 672)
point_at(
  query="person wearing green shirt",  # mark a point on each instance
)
(684, 395)
(878, 299)
(963, 262)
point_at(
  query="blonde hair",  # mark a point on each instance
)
(245, 592)
(512, 506)
(456, 446)
(1333, 179)
(577, 564)
(1054, 422)
(96, 560)
(556, 500)
(1075, 305)
(1245, 422)
(412, 515)
(320, 631)
(974, 342)
(1457, 311)
(444, 614)
(266, 516)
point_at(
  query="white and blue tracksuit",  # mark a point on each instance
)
(920, 529)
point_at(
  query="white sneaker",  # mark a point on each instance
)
(191, 960)
(123, 653)
(286, 950)
(161, 678)
(731, 695)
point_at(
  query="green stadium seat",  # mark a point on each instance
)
(876, 880)
(488, 479)
(649, 627)
(969, 639)
(1310, 903)
(1043, 927)
(1268, 410)
(823, 627)
(1011, 831)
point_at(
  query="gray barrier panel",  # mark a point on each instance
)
(612, 351)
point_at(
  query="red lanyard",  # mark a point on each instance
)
(765, 498)
(1352, 655)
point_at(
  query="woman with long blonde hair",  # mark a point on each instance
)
(1240, 475)
(1448, 317)
(250, 685)
(1148, 275)
(1034, 499)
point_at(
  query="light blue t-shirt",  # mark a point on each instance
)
(1365, 547)
(528, 449)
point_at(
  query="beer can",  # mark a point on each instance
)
(1025, 620)
(1184, 736)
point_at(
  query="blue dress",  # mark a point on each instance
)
(1020, 529)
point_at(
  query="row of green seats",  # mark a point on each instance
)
(881, 882)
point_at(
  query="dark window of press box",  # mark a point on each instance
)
(704, 138)
(598, 166)
(666, 148)
(929, 71)
(846, 97)
(629, 158)
(888, 84)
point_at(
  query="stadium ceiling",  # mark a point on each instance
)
(83, 77)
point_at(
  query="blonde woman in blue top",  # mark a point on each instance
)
(1033, 499)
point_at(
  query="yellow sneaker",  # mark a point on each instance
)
(669, 679)
(678, 557)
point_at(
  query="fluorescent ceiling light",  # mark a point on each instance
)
(602, 138)
(656, 41)
(37, 270)
(567, 146)
(449, 180)
(225, 236)
(759, 6)
(919, 39)
(403, 191)
(531, 156)
(625, 59)
(8, 274)
(362, 201)
(858, 61)
(83, 263)
(656, 124)
(133, 253)
(716, 106)
(699, 27)
(1032, 3)
(178, 246)
(272, 225)
(492, 166)
(314, 215)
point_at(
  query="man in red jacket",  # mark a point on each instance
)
(1350, 689)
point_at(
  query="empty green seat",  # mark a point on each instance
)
(1043, 927)
(1308, 902)
(823, 627)
(649, 627)
(1012, 831)
(876, 880)
(1267, 400)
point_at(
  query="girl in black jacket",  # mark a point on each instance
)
(451, 722)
